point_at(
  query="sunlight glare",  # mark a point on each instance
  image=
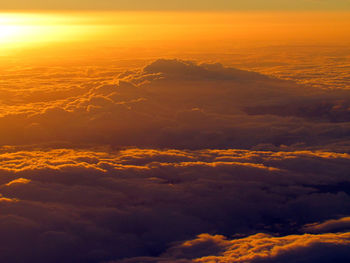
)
(9, 33)
(23, 30)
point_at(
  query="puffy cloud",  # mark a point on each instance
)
(329, 110)
(18, 181)
(95, 205)
(258, 248)
(135, 165)
(333, 225)
(181, 104)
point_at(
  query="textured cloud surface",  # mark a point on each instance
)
(179, 104)
(259, 248)
(94, 205)
(173, 162)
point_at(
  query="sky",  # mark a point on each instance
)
(223, 5)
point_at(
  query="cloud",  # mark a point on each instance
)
(165, 164)
(259, 248)
(333, 225)
(181, 104)
(99, 204)
(18, 181)
(329, 110)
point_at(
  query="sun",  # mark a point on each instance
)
(11, 28)
(16, 29)
(11, 33)
(19, 30)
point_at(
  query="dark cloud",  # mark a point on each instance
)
(333, 225)
(99, 205)
(328, 110)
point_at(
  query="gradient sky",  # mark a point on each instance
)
(177, 4)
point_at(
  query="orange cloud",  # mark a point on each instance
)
(333, 225)
(18, 181)
(264, 247)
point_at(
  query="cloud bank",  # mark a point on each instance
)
(173, 162)
(258, 248)
(67, 205)
(179, 104)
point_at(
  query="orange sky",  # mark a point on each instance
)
(182, 31)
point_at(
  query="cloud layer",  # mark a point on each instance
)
(179, 104)
(173, 162)
(99, 205)
(258, 248)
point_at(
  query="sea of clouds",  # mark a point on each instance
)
(174, 162)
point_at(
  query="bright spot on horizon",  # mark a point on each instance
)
(10, 32)
(30, 29)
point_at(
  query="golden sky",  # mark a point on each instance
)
(181, 28)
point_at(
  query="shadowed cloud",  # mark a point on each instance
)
(98, 205)
(175, 162)
(181, 104)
